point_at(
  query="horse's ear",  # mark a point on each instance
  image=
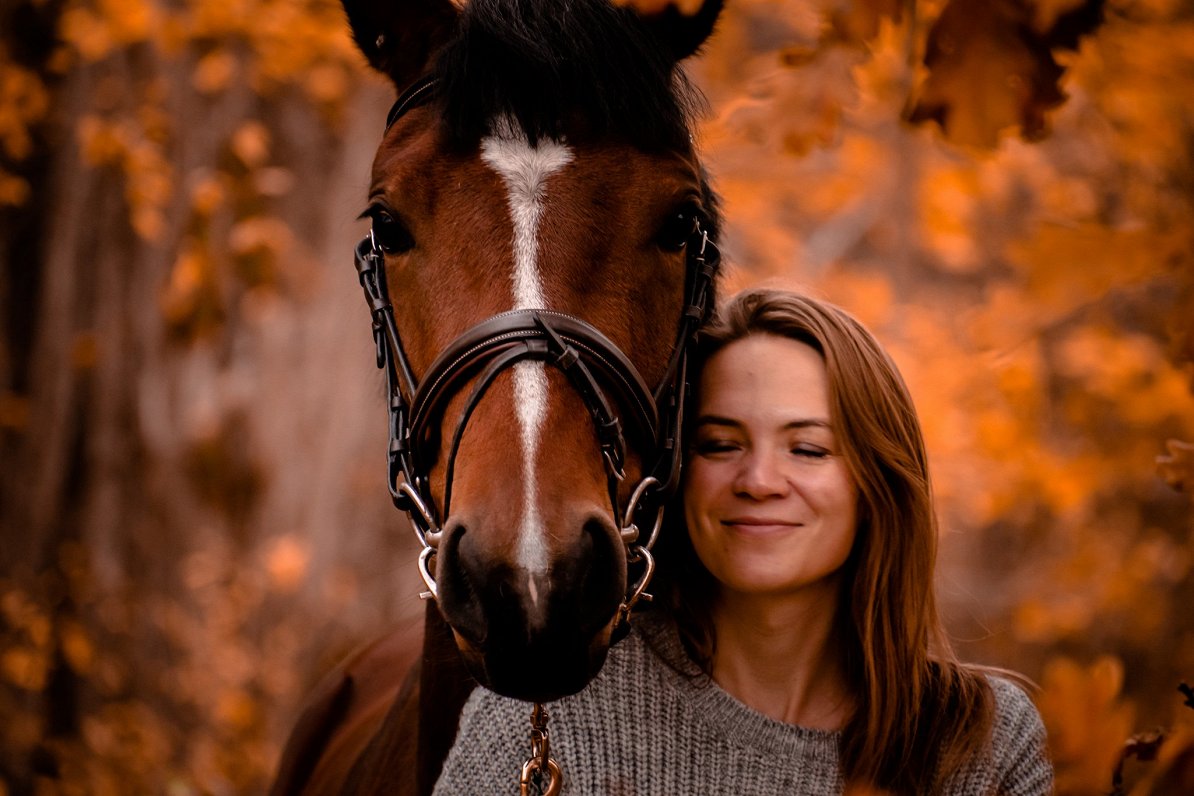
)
(683, 33)
(400, 37)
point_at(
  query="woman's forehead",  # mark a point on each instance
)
(765, 377)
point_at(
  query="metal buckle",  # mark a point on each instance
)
(424, 523)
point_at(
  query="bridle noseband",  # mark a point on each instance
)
(592, 363)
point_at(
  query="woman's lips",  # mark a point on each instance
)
(759, 525)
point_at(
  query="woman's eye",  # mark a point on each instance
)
(390, 234)
(677, 228)
(712, 447)
(810, 452)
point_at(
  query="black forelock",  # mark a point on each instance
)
(561, 68)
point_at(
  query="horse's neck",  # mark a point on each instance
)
(406, 754)
(444, 686)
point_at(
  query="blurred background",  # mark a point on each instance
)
(194, 524)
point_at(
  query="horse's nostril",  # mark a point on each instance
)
(605, 538)
(604, 578)
(450, 551)
(457, 570)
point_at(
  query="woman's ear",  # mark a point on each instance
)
(400, 37)
(683, 34)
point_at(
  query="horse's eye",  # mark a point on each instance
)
(391, 234)
(677, 228)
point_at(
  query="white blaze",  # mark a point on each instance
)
(525, 170)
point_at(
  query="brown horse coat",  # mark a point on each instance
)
(354, 734)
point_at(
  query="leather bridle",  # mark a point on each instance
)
(593, 364)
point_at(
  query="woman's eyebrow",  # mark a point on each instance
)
(716, 420)
(812, 422)
(729, 422)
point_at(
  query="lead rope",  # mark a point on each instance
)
(540, 764)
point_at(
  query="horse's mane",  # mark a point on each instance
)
(563, 67)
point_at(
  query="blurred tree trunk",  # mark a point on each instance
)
(28, 38)
(187, 380)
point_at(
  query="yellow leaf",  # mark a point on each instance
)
(1086, 720)
(76, 647)
(259, 234)
(251, 143)
(214, 72)
(131, 21)
(286, 561)
(207, 195)
(24, 668)
(101, 143)
(24, 101)
(149, 223)
(860, 20)
(85, 350)
(949, 200)
(14, 411)
(14, 191)
(87, 32)
(236, 709)
(326, 83)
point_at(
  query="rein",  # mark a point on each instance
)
(593, 365)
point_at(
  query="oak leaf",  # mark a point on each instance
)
(859, 20)
(1087, 720)
(1174, 772)
(1178, 467)
(990, 68)
(1143, 746)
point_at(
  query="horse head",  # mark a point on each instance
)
(541, 231)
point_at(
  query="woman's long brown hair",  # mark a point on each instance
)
(920, 713)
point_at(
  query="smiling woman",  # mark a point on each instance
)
(769, 502)
(794, 646)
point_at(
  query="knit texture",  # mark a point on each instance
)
(643, 728)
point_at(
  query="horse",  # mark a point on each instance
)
(542, 249)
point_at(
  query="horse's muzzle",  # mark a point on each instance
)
(533, 636)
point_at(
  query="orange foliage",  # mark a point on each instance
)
(1088, 723)
(24, 103)
(1036, 297)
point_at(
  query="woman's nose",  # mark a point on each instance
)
(761, 476)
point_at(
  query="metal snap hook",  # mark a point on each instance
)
(540, 761)
(639, 591)
(555, 779)
(425, 557)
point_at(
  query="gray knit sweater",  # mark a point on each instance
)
(642, 728)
